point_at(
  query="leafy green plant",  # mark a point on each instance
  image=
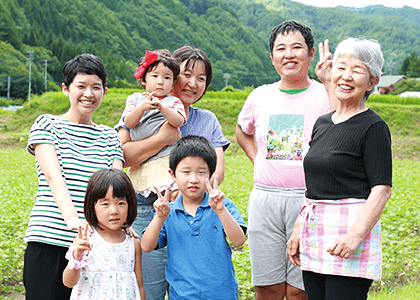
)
(18, 179)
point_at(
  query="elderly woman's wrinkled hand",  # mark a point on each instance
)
(293, 246)
(344, 246)
(324, 65)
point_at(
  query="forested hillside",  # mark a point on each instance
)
(233, 33)
(397, 29)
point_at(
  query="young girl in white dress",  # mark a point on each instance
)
(106, 264)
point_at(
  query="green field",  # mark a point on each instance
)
(400, 219)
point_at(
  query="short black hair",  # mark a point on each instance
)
(97, 188)
(85, 63)
(292, 26)
(194, 146)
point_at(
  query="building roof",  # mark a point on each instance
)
(388, 80)
(410, 94)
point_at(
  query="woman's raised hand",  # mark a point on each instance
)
(324, 65)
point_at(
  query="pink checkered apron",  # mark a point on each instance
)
(321, 222)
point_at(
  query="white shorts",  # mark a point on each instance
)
(272, 212)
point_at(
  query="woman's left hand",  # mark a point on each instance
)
(344, 246)
(293, 246)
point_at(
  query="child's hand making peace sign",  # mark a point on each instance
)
(81, 242)
(216, 196)
(161, 205)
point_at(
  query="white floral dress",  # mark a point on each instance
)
(110, 275)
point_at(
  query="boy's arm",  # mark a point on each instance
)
(150, 237)
(137, 268)
(232, 229)
(217, 202)
(174, 118)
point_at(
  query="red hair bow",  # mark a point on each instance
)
(149, 58)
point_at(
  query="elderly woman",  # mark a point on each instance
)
(348, 173)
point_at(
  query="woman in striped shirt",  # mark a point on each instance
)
(68, 150)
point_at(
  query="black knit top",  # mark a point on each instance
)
(347, 159)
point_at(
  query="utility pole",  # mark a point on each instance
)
(29, 56)
(46, 64)
(226, 76)
(8, 87)
(390, 63)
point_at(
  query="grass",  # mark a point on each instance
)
(400, 222)
(18, 179)
(410, 291)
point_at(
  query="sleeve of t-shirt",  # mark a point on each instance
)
(115, 146)
(231, 207)
(130, 105)
(246, 116)
(218, 138)
(40, 133)
(378, 155)
(179, 108)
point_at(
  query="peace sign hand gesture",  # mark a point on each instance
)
(81, 242)
(324, 65)
(161, 205)
(216, 196)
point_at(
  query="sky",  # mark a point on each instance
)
(361, 3)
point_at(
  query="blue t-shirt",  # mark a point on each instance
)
(199, 256)
(204, 123)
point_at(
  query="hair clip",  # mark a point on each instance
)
(74, 263)
(149, 58)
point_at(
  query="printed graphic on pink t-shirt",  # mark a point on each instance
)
(285, 137)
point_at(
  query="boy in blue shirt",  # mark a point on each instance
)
(195, 226)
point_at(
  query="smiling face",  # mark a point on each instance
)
(159, 80)
(351, 79)
(291, 57)
(111, 212)
(85, 94)
(191, 82)
(190, 177)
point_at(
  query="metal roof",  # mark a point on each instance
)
(388, 80)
